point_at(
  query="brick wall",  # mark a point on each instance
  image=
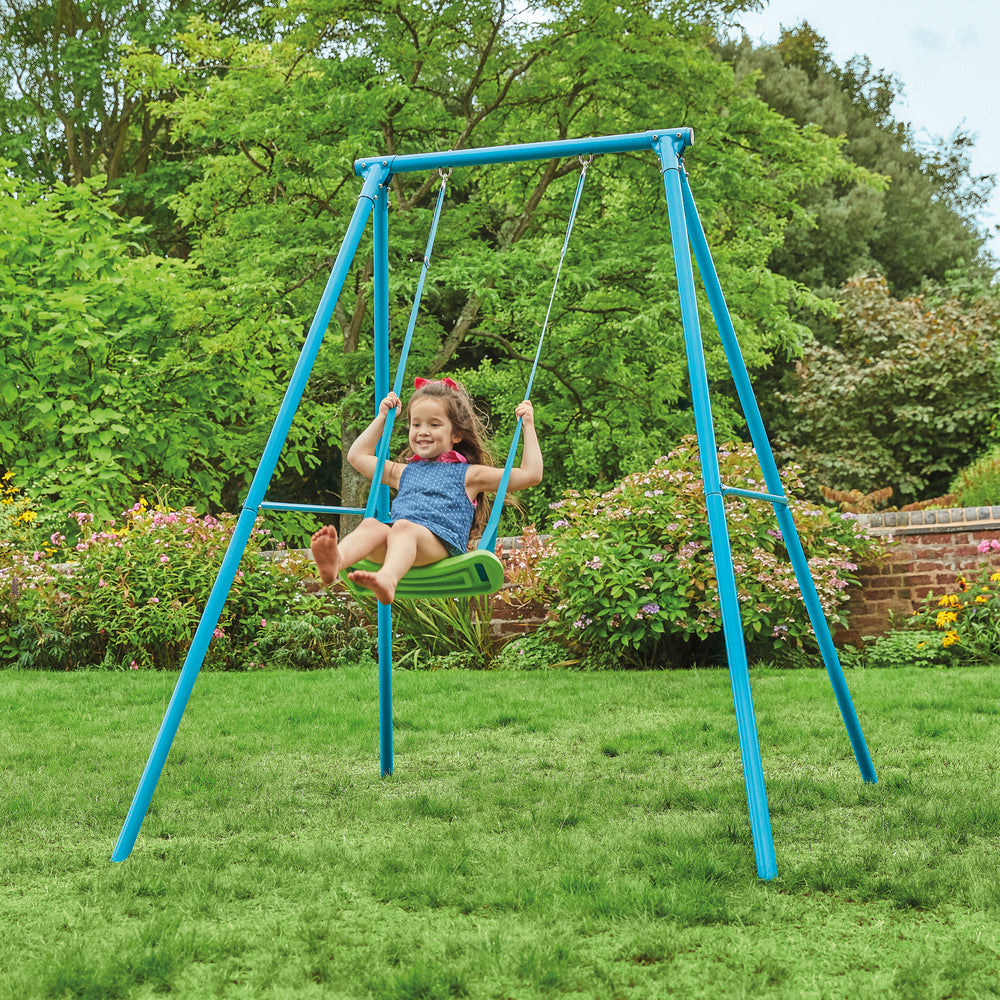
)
(930, 550)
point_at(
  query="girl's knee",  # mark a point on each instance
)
(374, 529)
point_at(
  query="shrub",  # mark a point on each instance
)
(534, 651)
(901, 394)
(912, 648)
(965, 624)
(130, 594)
(978, 484)
(636, 580)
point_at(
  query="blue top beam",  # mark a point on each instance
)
(629, 143)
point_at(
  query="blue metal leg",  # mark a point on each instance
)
(245, 523)
(739, 673)
(385, 689)
(381, 314)
(772, 480)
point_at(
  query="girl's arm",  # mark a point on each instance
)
(361, 454)
(528, 473)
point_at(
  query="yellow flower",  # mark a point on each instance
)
(950, 639)
(995, 577)
(981, 599)
(950, 600)
(27, 516)
(946, 618)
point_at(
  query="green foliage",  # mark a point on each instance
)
(901, 394)
(978, 484)
(115, 374)
(430, 631)
(905, 648)
(130, 592)
(233, 130)
(634, 576)
(269, 199)
(536, 650)
(67, 110)
(967, 621)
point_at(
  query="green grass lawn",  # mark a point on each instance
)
(544, 834)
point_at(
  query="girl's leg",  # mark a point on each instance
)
(407, 545)
(332, 556)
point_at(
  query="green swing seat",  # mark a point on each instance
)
(469, 574)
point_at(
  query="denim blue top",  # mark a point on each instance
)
(433, 494)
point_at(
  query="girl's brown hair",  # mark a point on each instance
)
(469, 426)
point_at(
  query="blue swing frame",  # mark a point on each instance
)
(687, 237)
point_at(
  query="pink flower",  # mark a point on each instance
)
(263, 623)
(164, 559)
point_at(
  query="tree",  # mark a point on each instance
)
(66, 111)
(274, 134)
(918, 226)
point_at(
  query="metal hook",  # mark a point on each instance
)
(586, 160)
(444, 176)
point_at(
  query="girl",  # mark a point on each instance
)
(441, 488)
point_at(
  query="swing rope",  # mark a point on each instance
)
(478, 571)
(489, 537)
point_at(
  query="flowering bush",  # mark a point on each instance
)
(130, 592)
(634, 572)
(966, 623)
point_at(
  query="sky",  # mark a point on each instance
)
(945, 54)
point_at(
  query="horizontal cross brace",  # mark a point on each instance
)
(310, 508)
(732, 491)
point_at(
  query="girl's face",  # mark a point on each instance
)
(431, 431)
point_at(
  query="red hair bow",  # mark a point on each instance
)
(419, 383)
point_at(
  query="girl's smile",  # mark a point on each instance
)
(431, 432)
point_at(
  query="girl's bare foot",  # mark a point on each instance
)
(383, 591)
(326, 554)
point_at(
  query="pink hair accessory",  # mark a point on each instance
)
(419, 383)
